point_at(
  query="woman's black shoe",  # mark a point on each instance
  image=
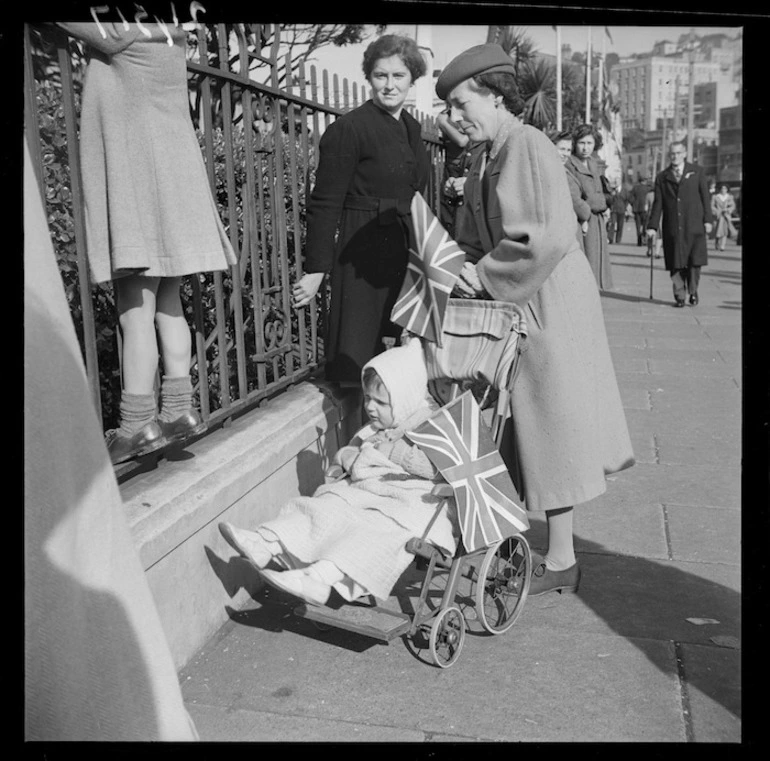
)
(694, 299)
(679, 303)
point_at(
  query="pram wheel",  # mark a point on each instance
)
(503, 583)
(447, 636)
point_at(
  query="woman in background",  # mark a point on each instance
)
(583, 165)
(563, 143)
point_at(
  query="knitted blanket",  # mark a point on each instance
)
(363, 522)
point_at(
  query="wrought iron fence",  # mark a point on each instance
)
(260, 145)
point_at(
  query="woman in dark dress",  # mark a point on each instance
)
(372, 161)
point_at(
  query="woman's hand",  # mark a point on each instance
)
(306, 288)
(468, 284)
(454, 187)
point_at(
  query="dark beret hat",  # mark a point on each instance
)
(476, 60)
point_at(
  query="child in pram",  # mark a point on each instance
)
(351, 535)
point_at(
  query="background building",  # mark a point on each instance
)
(653, 94)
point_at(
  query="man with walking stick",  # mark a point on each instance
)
(682, 198)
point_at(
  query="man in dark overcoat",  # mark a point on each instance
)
(682, 197)
(636, 197)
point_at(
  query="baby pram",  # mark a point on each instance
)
(478, 357)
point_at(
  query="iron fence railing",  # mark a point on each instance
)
(259, 131)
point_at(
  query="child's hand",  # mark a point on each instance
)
(346, 456)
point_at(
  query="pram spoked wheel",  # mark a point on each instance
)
(503, 583)
(447, 635)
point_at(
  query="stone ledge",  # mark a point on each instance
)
(243, 474)
(166, 506)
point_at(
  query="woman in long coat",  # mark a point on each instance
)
(586, 171)
(563, 143)
(568, 429)
(372, 161)
(723, 207)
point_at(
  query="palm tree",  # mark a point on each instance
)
(516, 42)
(537, 86)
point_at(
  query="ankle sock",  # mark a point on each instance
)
(136, 410)
(175, 397)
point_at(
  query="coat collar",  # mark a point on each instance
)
(575, 163)
(510, 123)
(687, 171)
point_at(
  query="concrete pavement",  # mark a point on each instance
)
(648, 650)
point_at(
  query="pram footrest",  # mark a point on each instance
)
(369, 620)
(423, 549)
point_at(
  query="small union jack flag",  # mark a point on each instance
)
(435, 261)
(459, 444)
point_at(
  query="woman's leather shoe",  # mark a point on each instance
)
(694, 299)
(545, 580)
(679, 303)
(147, 439)
(187, 424)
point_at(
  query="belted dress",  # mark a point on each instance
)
(370, 167)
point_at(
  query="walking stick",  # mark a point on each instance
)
(651, 243)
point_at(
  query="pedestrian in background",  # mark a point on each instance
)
(618, 207)
(563, 143)
(682, 207)
(637, 197)
(723, 207)
(585, 168)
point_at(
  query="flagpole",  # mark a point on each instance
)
(558, 78)
(600, 88)
(588, 79)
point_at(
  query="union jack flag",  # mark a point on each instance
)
(435, 261)
(459, 444)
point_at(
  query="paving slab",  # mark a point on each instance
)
(565, 685)
(697, 485)
(721, 429)
(643, 598)
(713, 536)
(635, 398)
(218, 724)
(691, 367)
(712, 675)
(638, 530)
(678, 449)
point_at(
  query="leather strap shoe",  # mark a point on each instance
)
(545, 580)
(147, 439)
(186, 425)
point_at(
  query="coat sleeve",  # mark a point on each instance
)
(538, 220)
(582, 209)
(338, 160)
(657, 206)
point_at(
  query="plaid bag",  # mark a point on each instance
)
(480, 343)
